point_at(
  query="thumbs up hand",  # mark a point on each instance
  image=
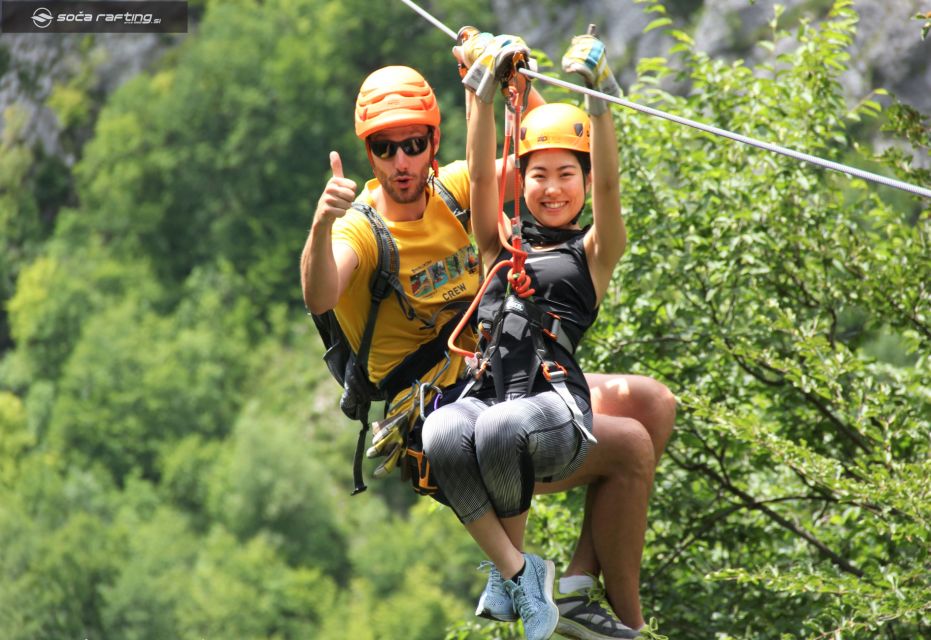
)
(338, 194)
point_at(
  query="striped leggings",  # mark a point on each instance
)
(488, 455)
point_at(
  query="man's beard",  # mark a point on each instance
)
(411, 194)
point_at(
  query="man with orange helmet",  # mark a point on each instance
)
(398, 119)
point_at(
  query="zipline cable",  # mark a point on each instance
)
(798, 155)
(766, 146)
(436, 23)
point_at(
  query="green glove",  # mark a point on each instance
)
(389, 440)
(586, 56)
(492, 63)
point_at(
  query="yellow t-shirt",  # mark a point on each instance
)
(438, 266)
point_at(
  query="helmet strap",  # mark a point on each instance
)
(368, 152)
(433, 162)
(578, 215)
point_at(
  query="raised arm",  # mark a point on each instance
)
(493, 64)
(471, 45)
(605, 243)
(326, 267)
(481, 145)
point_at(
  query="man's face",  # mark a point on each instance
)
(402, 175)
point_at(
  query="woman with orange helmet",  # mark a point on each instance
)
(528, 419)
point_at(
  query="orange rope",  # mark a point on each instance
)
(471, 310)
(508, 234)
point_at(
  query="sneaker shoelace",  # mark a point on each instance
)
(597, 595)
(521, 599)
(493, 573)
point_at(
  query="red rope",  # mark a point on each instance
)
(508, 233)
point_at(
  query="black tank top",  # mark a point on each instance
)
(563, 286)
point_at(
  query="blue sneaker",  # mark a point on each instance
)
(495, 603)
(586, 614)
(533, 597)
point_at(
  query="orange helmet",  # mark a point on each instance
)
(555, 126)
(395, 97)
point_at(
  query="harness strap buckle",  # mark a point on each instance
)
(553, 331)
(485, 327)
(554, 376)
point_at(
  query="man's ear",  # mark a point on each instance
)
(436, 140)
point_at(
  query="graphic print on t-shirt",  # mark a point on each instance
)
(454, 265)
(438, 274)
(430, 277)
(420, 284)
(469, 258)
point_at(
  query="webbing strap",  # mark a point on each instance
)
(556, 379)
(549, 323)
(577, 419)
(418, 363)
(535, 317)
(358, 482)
(384, 280)
(462, 215)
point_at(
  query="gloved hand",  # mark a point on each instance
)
(586, 56)
(493, 63)
(389, 439)
(470, 43)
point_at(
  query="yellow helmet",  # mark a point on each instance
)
(395, 97)
(555, 126)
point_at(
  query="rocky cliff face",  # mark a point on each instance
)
(30, 65)
(888, 51)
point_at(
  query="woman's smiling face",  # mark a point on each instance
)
(554, 186)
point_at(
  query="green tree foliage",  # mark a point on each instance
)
(56, 550)
(137, 380)
(172, 459)
(264, 483)
(752, 286)
(55, 294)
(15, 438)
(19, 211)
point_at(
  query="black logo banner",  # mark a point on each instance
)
(41, 16)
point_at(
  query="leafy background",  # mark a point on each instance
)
(173, 463)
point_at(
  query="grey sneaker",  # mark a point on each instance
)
(495, 603)
(533, 597)
(586, 614)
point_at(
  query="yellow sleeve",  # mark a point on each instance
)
(354, 230)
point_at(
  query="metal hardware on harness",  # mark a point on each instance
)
(554, 376)
(553, 332)
(423, 389)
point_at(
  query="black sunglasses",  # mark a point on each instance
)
(385, 149)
